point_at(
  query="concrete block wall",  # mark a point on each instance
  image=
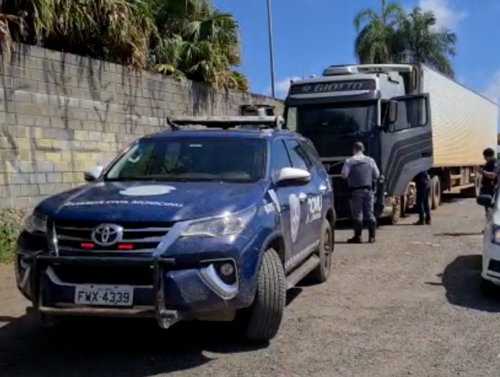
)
(61, 114)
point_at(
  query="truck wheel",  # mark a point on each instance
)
(403, 207)
(487, 288)
(326, 247)
(477, 187)
(265, 314)
(475, 191)
(436, 192)
(398, 206)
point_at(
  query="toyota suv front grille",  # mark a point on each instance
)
(130, 236)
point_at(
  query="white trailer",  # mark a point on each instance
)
(464, 123)
(410, 118)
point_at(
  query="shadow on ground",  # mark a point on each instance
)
(461, 280)
(458, 234)
(412, 216)
(113, 347)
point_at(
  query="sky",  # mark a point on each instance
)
(310, 35)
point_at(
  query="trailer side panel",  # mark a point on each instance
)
(464, 122)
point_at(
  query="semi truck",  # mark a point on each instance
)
(410, 118)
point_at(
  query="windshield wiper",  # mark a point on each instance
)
(354, 132)
(128, 179)
(147, 178)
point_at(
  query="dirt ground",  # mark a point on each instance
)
(408, 305)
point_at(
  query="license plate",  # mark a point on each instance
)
(103, 295)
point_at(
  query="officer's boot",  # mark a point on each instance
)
(428, 219)
(372, 230)
(358, 229)
(421, 221)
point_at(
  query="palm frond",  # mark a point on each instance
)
(7, 24)
(393, 36)
(188, 37)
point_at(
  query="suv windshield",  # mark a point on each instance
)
(192, 159)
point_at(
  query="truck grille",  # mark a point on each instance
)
(137, 236)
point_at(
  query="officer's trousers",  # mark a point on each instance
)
(487, 190)
(424, 210)
(362, 202)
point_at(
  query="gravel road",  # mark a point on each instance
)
(405, 306)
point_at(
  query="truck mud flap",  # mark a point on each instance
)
(164, 317)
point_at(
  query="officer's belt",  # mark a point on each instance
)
(360, 188)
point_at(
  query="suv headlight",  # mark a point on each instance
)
(36, 223)
(225, 225)
(495, 234)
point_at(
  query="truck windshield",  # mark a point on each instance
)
(191, 159)
(333, 119)
(332, 125)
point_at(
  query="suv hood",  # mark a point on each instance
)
(150, 201)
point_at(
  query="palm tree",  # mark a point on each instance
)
(9, 24)
(199, 41)
(374, 41)
(181, 37)
(424, 43)
(112, 30)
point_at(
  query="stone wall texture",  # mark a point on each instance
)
(61, 114)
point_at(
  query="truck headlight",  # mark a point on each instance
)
(225, 225)
(36, 223)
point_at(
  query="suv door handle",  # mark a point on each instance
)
(302, 196)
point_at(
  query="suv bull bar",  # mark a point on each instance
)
(164, 317)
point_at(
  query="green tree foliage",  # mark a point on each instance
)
(423, 43)
(394, 36)
(376, 33)
(175, 37)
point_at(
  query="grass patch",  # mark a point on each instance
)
(8, 236)
(11, 221)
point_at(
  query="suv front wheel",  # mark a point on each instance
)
(263, 319)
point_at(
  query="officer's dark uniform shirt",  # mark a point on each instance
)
(488, 184)
(361, 172)
(423, 180)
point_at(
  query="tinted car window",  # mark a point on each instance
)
(279, 157)
(192, 159)
(312, 153)
(298, 155)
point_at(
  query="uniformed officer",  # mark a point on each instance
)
(489, 174)
(423, 184)
(361, 173)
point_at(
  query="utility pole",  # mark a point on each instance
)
(271, 48)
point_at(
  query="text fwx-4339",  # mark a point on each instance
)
(104, 295)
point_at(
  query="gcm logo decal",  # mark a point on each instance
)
(314, 206)
(147, 190)
(294, 203)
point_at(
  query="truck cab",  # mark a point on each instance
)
(381, 105)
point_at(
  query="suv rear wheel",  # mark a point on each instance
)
(262, 320)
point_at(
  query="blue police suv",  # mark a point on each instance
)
(207, 222)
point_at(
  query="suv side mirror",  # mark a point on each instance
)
(290, 175)
(485, 201)
(93, 174)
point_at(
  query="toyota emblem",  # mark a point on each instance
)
(107, 234)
